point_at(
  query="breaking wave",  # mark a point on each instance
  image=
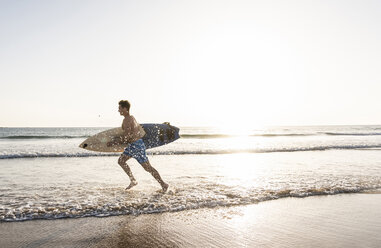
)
(116, 201)
(10, 155)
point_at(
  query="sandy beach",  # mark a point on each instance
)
(347, 220)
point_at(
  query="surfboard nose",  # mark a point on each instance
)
(83, 145)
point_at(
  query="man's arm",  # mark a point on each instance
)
(127, 126)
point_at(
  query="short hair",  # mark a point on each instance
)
(125, 104)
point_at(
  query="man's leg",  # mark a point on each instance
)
(122, 161)
(147, 166)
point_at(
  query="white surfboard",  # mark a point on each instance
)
(156, 135)
(98, 142)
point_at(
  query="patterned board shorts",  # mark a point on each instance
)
(137, 150)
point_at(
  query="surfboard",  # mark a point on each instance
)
(156, 135)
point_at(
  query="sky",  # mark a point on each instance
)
(237, 63)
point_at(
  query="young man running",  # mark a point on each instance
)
(133, 134)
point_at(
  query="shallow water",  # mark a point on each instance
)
(49, 187)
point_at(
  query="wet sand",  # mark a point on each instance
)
(348, 220)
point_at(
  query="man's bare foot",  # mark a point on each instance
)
(164, 187)
(132, 184)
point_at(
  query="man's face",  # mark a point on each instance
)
(122, 110)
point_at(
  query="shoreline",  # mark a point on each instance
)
(344, 220)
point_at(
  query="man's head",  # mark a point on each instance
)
(124, 107)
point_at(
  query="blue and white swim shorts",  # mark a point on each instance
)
(137, 150)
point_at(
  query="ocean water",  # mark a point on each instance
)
(45, 175)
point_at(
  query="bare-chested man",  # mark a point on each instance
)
(136, 148)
